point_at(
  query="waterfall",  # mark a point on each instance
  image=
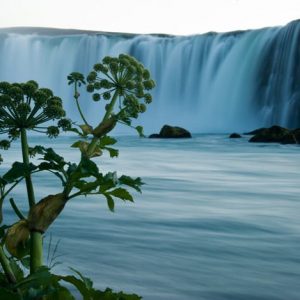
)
(214, 82)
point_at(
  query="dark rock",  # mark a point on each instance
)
(275, 134)
(235, 136)
(154, 136)
(168, 132)
(256, 131)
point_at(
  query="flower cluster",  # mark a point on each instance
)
(26, 106)
(123, 76)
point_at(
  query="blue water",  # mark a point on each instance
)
(218, 219)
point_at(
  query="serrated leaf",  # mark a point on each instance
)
(134, 183)
(122, 194)
(112, 152)
(18, 170)
(110, 202)
(107, 141)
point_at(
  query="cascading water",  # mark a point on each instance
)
(207, 83)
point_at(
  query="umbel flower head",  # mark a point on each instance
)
(26, 106)
(126, 77)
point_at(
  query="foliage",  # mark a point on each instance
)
(123, 84)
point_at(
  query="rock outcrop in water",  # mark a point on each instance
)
(168, 132)
(276, 134)
(235, 136)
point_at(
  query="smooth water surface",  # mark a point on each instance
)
(218, 219)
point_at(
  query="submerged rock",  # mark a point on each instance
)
(235, 136)
(276, 134)
(168, 132)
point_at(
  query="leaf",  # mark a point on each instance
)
(134, 183)
(122, 194)
(36, 150)
(110, 202)
(88, 282)
(18, 170)
(140, 131)
(88, 167)
(112, 152)
(79, 284)
(107, 141)
(86, 129)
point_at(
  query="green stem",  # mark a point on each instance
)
(78, 106)
(36, 239)
(36, 251)
(109, 110)
(25, 154)
(6, 267)
(16, 209)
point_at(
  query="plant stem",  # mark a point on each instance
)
(110, 108)
(16, 209)
(36, 239)
(29, 186)
(6, 267)
(36, 251)
(76, 96)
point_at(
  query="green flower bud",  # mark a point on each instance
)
(52, 131)
(65, 124)
(97, 85)
(54, 101)
(114, 67)
(146, 74)
(106, 96)
(130, 84)
(30, 87)
(76, 77)
(4, 144)
(100, 68)
(148, 98)
(90, 88)
(105, 84)
(106, 60)
(47, 92)
(96, 97)
(16, 93)
(143, 108)
(4, 86)
(149, 84)
(5, 100)
(91, 77)
(40, 98)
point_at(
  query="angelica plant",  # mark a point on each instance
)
(123, 84)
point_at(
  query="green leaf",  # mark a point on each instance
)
(122, 194)
(18, 170)
(112, 152)
(79, 284)
(140, 131)
(134, 183)
(110, 202)
(88, 167)
(107, 141)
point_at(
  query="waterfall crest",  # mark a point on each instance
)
(214, 82)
